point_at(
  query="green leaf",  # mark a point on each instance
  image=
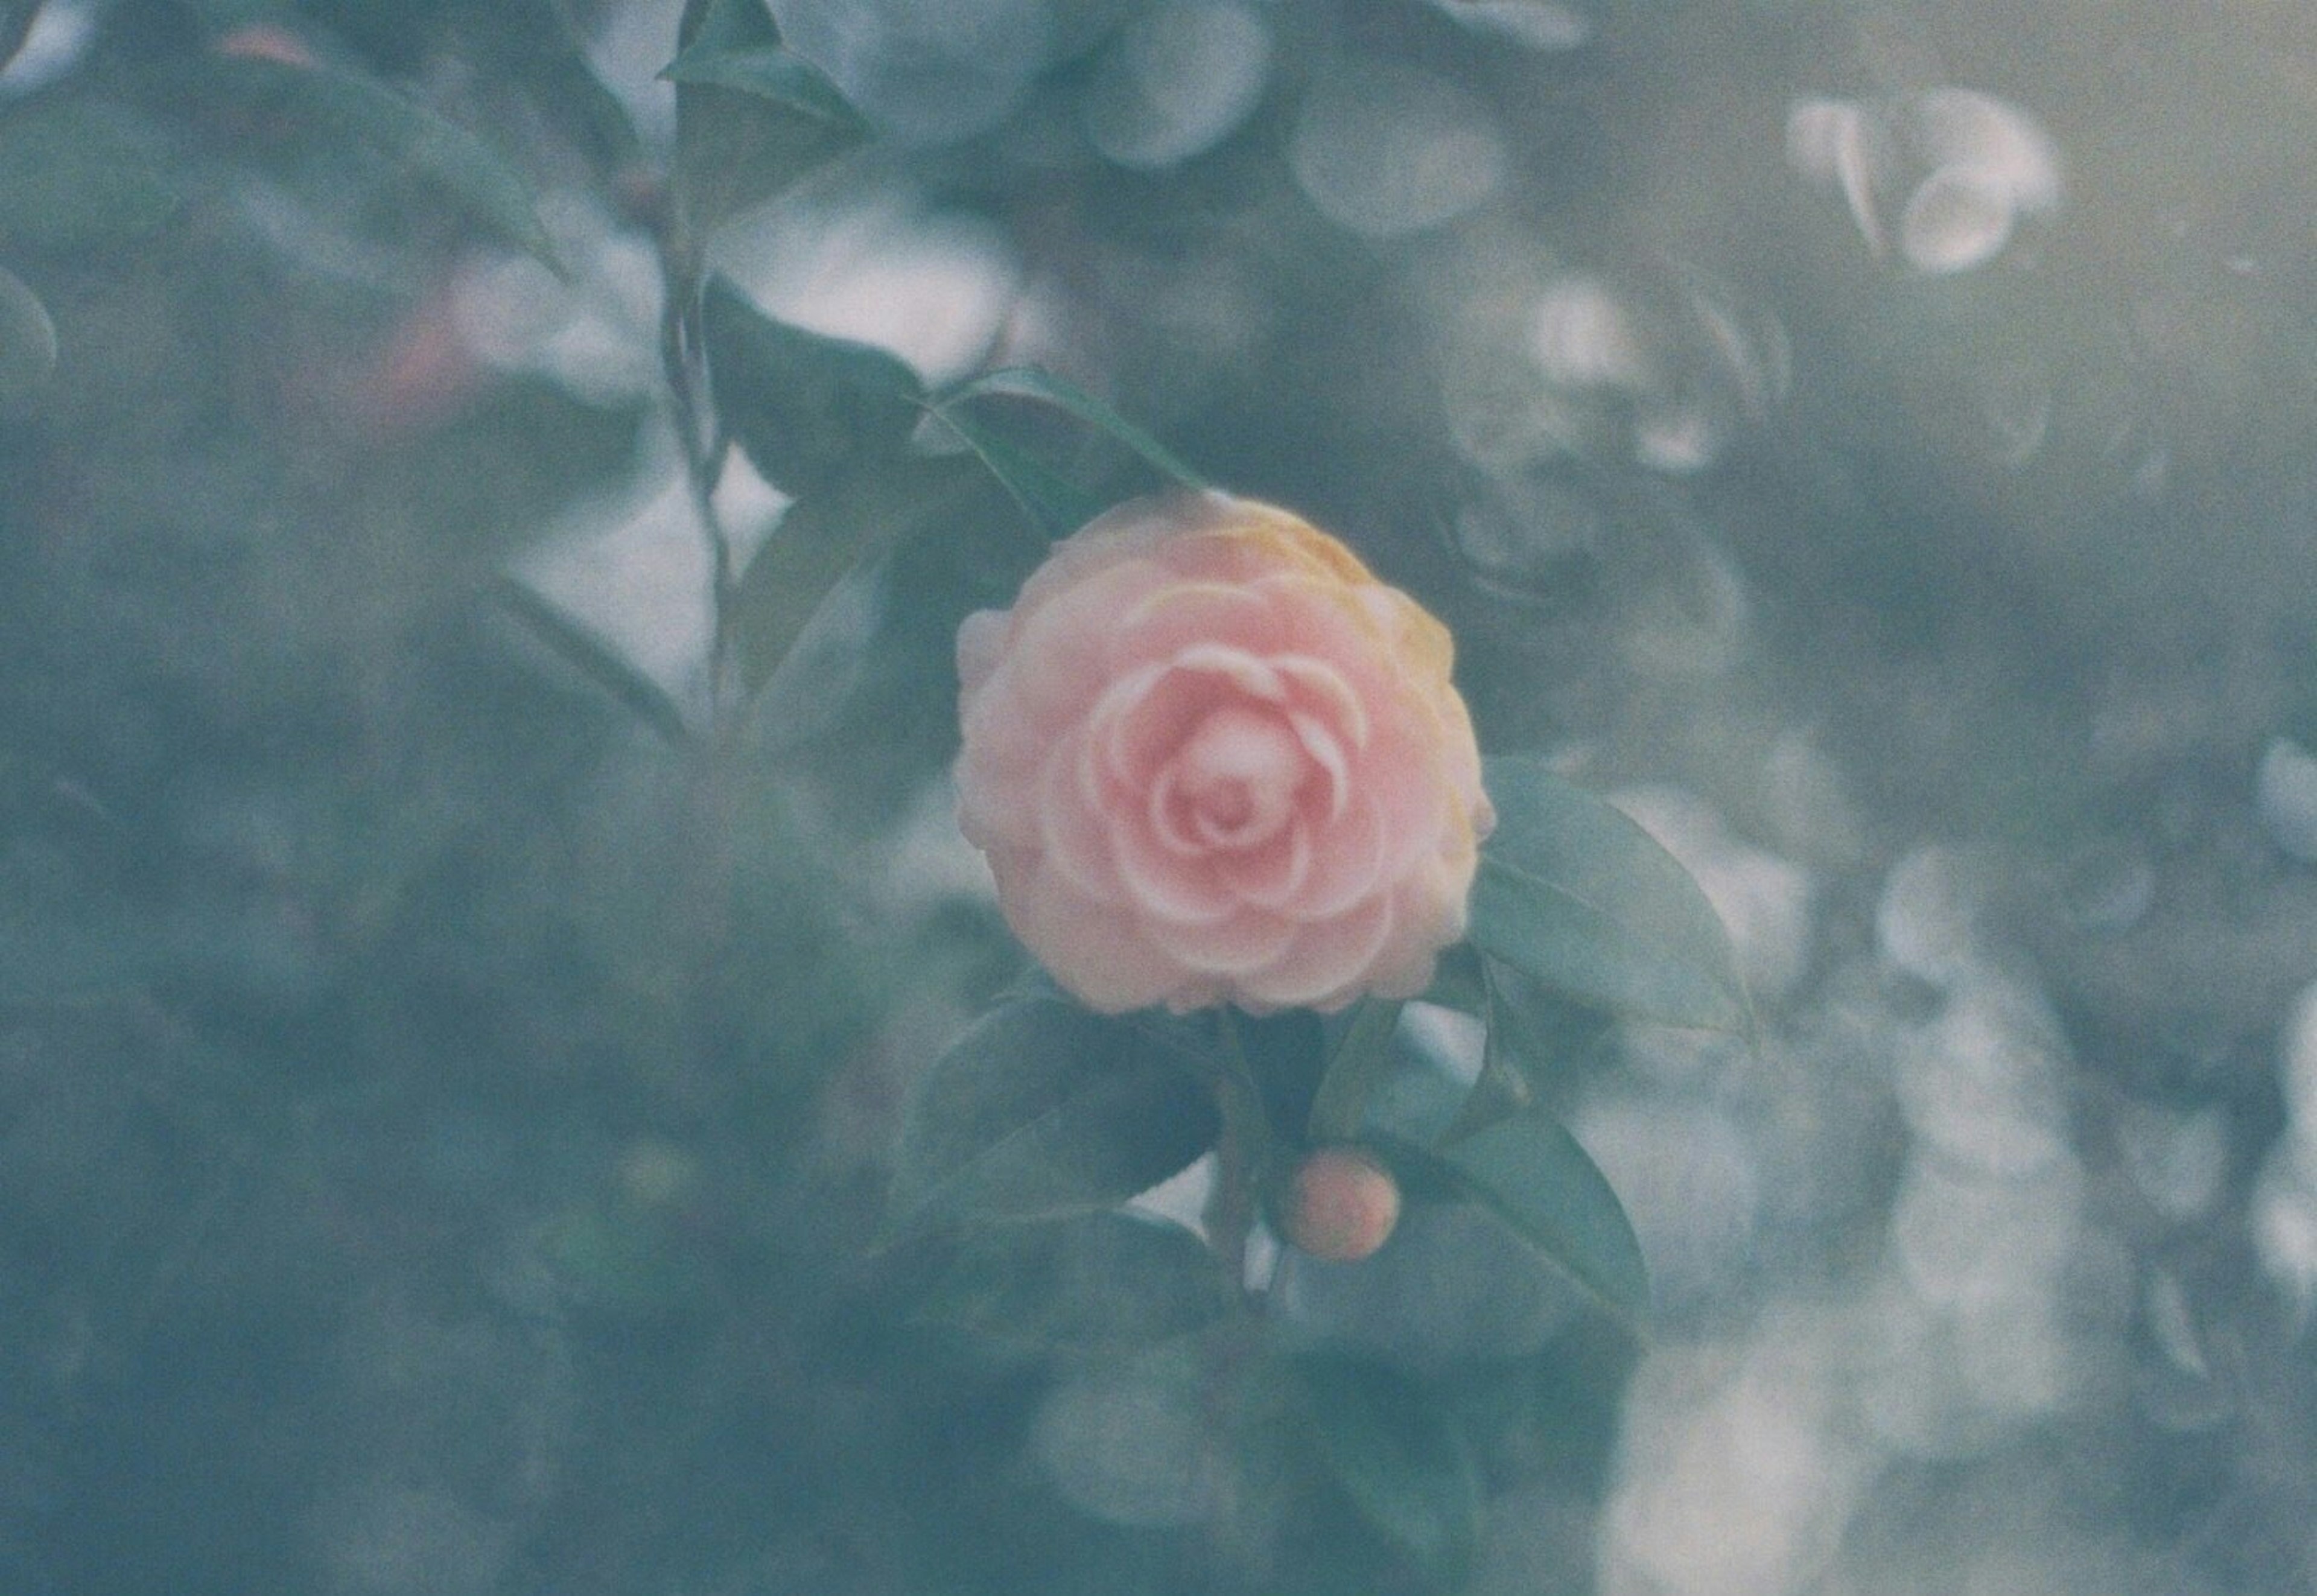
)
(1533, 1175)
(1362, 1057)
(822, 538)
(400, 132)
(16, 18)
(751, 119)
(1573, 892)
(1042, 1110)
(774, 73)
(805, 408)
(28, 342)
(1035, 382)
(1400, 1458)
(598, 660)
(75, 175)
(1535, 1040)
(1056, 505)
(1106, 1282)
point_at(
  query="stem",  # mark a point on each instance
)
(1242, 1147)
(702, 439)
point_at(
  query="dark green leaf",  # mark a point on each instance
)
(1402, 1459)
(1363, 1056)
(1035, 382)
(1573, 892)
(1459, 982)
(598, 660)
(1056, 505)
(405, 135)
(28, 342)
(79, 175)
(1042, 1110)
(751, 119)
(16, 17)
(770, 72)
(1533, 1175)
(807, 408)
(1535, 1041)
(822, 538)
(1101, 1282)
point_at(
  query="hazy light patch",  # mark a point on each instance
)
(1981, 1082)
(1176, 82)
(1927, 921)
(1688, 1181)
(1736, 1478)
(634, 572)
(1539, 25)
(60, 33)
(2284, 790)
(1695, 619)
(935, 288)
(1763, 900)
(1967, 1243)
(1947, 175)
(1386, 151)
(2176, 1160)
(1130, 1445)
(1584, 337)
(594, 330)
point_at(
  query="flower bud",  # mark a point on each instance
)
(1342, 1206)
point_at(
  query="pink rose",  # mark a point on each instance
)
(1211, 759)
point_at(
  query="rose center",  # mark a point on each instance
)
(1232, 785)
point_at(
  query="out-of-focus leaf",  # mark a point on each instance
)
(806, 408)
(1533, 1175)
(28, 342)
(534, 43)
(751, 119)
(16, 18)
(75, 175)
(50, 959)
(820, 539)
(1364, 1056)
(1573, 892)
(1042, 1110)
(599, 661)
(1102, 1282)
(1056, 505)
(1402, 1459)
(1035, 382)
(770, 72)
(400, 132)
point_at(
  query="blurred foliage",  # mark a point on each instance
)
(451, 1070)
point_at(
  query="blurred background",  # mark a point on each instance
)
(1877, 444)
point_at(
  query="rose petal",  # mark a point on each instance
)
(1168, 885)
(1101, 955)
(1324, 966)
(1328, 754)
(1076, 840)
(1271, 876)
(1246, 940)
(1143, 720)
(1349, 859)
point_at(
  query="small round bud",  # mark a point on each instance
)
(1342, 1206)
